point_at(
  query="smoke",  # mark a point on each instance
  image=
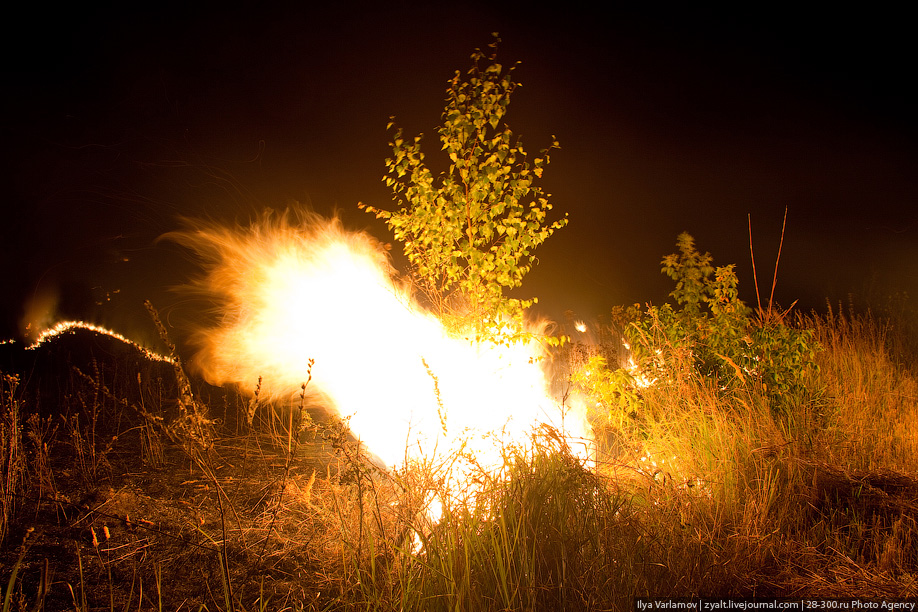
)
(39, 313)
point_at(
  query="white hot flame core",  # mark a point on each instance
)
(288, 294)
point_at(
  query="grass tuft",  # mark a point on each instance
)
(700, 493)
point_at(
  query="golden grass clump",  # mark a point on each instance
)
(702, 492)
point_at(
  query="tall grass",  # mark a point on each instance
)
(704, 493)
(871, 398)
(12, 456)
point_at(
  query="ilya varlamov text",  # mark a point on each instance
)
(642, 605)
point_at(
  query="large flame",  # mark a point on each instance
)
(288, 292)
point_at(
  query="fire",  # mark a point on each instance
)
(290, 292)
(63, 327)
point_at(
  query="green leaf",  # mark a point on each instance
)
(468, 233)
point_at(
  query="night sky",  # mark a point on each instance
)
(117, 122)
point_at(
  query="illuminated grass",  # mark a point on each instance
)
(704, 494)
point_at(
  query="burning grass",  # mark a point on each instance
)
(106, 506)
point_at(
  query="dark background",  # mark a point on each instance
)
(118, 121)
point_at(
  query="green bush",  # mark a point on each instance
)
(709, 332)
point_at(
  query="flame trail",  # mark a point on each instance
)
(290, 292)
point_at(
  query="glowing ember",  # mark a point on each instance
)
(641, 379)
(64, 327)
(288, 294)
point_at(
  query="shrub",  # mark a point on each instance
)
(710, 333)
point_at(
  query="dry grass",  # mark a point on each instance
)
(114, 498)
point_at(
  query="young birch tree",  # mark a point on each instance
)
(469, 233)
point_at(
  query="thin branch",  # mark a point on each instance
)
(777, 259)
(755, 278)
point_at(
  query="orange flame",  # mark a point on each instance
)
(46, 334)
(288, 293)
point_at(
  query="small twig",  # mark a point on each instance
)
(777, 259)
(755, 278)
